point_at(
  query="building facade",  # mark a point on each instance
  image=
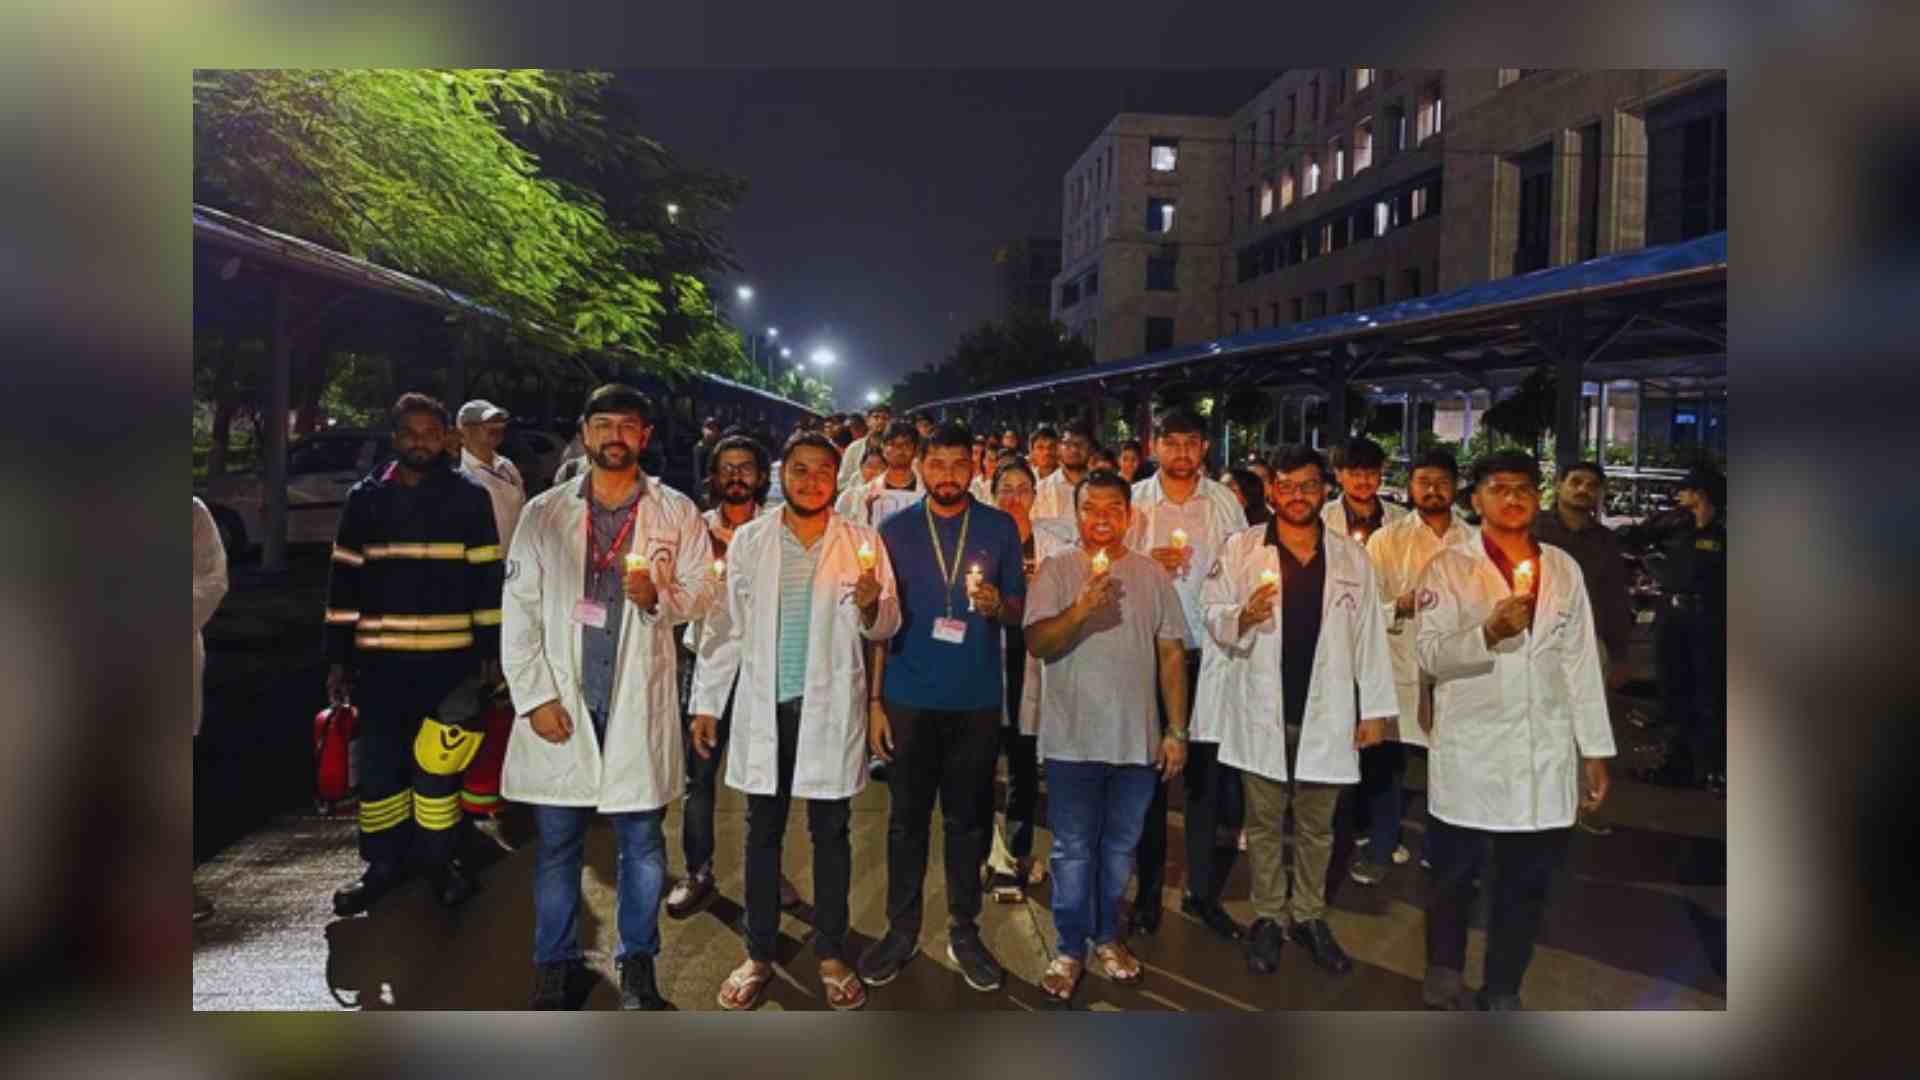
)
(1142, 231)
(1024, 270)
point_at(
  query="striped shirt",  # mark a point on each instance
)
(797, 566)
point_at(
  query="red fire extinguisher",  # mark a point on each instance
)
(336, 756)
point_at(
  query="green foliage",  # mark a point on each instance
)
(414, 169)
(1528, 414)
(991, 354)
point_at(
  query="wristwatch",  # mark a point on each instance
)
(1178, 734)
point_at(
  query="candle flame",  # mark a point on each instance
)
(1269, 577)
(1523, 577)
(1179, 538)
(636, 561)
(719, 567)
(866, 555)
(1359, 537)
(1100, 562)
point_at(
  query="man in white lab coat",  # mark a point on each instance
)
(805, 591)
(879, 418)
(1520, 735)
(1293, 609)
(1054, 497)
(895, 489)
(1181, 519)
(600, 570)
(1359, 464)
(1400, 551)
(209, 587)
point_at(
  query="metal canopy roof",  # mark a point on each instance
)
(1653, 312)
(380, 296)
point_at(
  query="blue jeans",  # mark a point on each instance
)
(1096, 812)
(640, 878)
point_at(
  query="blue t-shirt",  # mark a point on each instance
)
(927, 674)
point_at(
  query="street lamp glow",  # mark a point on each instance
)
(873, 397)
(822, 357)
(744, 292)
(672, 209)
(773, 331)
(786, 353)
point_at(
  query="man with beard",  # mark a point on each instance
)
(413, 614)
(803, 593)
(1054, 498)
(879, 417)
(1181, 519)
(1573, 526)
(599, 573)
(937, 717)
(1359, 464)
(894, 490)
(1520, 734)
(1107, 627)
(1292, 610)
(1400, 552)
(737, 488)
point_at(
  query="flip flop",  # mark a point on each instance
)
(1111, 957)
(744, 988)
(1067, 968)
(840, 991)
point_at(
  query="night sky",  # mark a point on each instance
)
(876, 199)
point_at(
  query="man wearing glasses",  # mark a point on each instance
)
(1520, 735)
(1181, 519)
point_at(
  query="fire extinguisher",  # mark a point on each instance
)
(336, 754)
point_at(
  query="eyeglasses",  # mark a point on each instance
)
(746, 469)
(1510, 492)
(1304, 487)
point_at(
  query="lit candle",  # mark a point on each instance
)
(636, 561)
(1269, 577)
(974, 577)
(867, 558)
(1100, 561)
(1523, 579)
(1359, 537)
(719, 568)
(1179, 539)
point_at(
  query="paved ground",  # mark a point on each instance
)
(1637, 921)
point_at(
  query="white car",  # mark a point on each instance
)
(320, 469)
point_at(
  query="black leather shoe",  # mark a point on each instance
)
(1213, 915)
(638, 992)
(378, 881)
(1144, 920)
(689, 893)
(1265, 940)
(452, 885)
(561, 986)
(1317, 938)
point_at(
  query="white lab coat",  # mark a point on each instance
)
(1053, 496)
(1049, 539)
(850, 462)
(1400, 550)
(209, 587)
(741, 640)
(1334, 514)
(1238, 702)
(690, 637)
(643, 764)
(853, 504)
(1510, 724)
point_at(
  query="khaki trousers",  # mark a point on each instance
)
(1296, 895)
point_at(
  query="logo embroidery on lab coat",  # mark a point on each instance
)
(1428, 599)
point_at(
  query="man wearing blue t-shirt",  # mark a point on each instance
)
(957, 563)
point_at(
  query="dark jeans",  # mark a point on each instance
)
(1214, 798)
(1023, 760)
(639, 876)
(1095, 811)
(1378, 800)
(1692, 654)
(703, 778)
(827, 821)
(950, 755)
(1523, 865)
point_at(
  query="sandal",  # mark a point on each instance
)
(744, 988)
(1117, 963)
(1062, 978)
(845, 992)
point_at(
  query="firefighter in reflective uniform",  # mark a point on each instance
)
(413, 632)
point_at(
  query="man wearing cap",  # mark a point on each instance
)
(483, 426)
(1691, 644)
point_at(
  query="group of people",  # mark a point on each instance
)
(916, 602)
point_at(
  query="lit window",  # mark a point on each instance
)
(1326, 237)
(1382, 218)
(1397, 118)
(1427, 123)
(1362, 78)
(1266, 198)
(1159, 215)
(1163, 154)
(1419, 203)
(1313, 176)
(1339, 161)
(1363, 144)
(1286, 188)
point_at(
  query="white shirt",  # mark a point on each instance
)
(873, 502)
(1210, 515)
(1400, 550)
(504, 487)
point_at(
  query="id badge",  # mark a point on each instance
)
(951, 631)
(590, 613)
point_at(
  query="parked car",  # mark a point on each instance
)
(320, 469)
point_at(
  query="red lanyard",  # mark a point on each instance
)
(596, 562)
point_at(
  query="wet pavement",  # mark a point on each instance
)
(1636, 920)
